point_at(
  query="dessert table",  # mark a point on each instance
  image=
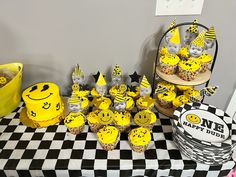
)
(53, 151)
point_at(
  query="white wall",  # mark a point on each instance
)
(51, 36)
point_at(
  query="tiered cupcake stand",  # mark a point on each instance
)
(202, 78)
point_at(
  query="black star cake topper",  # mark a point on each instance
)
(96, 76)
(135, 77)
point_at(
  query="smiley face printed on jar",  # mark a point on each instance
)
(142, 118)
(192, 118)
(105, 117)
(40, 91)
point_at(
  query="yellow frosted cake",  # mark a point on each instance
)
(75, 122)
(180, 100)
(139, 139)
(114, 90)
(182, 88)
(183, 53)
(189, 69)
(108, 137)
(167, 85)
(134, 92)
(129, 103)
(165, 99)
(205, 60)
(169, 63)
(43, 102)
(145, 103)
(122, 120)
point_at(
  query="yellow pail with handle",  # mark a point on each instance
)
(10, 94)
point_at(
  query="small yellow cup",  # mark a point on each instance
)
(10, 94)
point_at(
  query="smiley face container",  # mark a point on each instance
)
(43, 101)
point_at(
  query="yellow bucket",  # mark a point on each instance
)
(10, 94)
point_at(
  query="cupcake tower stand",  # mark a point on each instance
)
(202, 78)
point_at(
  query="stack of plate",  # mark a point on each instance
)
(204, 133)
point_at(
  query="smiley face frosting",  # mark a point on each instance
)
(108, 134)
(140, 136)
(122, 118)
(192, 118)
(74, 120)
(105, 117)
(43, 101)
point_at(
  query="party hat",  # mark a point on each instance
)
(78, 71)
(116, 71)
(101, 81)
(119, 98)
(210, 34)
(199, 40)
(144, 83)
(74, 99)
(193, 28)
(175, 39)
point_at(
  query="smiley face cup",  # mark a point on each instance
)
(75, 122)
(139, 139)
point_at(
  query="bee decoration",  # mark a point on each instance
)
(197, 98)
(209, 91)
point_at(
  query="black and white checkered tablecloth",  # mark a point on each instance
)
(53, 151)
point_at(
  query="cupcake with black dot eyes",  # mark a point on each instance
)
(75, 122)
(205, 60)
(169, 63)
(189, 69)
(145, 118)
(93, 121)
(180, 100)
(108, 137)
(122, 120)
(165, 99)
(139, 139)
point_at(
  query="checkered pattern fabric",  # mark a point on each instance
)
(53, 151)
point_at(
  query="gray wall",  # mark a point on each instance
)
(50, 37)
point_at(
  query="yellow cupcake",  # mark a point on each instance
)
(169, 59)
(108, 137)
(93, 117)
(205, 58)
(122, 118)
(190, 64)
(167, 85)
(75, 122)
(134, 93)
(140, 136)
(129, 103)
(191, 92)
(180, 100)
(114, 90)
(165, 99)
(145, 103)
(102, 103)
(153, 116)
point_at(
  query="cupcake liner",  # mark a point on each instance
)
(140, 108)
(204, 67)
(187, 75)
(95, 127)
(76, 130)
(110, 146)
(168, 69)
(165, 104)
(150, 126)
(136, 148)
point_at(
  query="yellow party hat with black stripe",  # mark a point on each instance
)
(116, 71)
(199, 40)
(74, 99)
(101, 81)
(144, 83)
(119, 98)
(78, 71)
(193, 28)
(210, 34)
(173, 23)
(175, 39)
